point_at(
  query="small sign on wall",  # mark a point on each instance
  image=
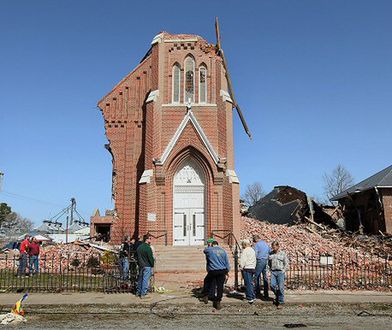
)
(151, 217)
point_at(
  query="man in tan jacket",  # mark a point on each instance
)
(248, 266)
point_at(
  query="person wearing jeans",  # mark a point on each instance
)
(145, 261)
(262, 252)
(277, 285)
(34, 256)
(23, 250)
(248, 265)
(278, 264)
(125, 251)
(143, 281)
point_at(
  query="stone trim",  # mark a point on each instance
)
(152, 97)
(188, 117)
(194, 105)
(233, 178)
(146, 176)
(226, 96)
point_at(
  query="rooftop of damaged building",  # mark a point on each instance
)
(287, 205)
(382, 179)
(282, 205)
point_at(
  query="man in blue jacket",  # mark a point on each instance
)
(262, 253)
(218, 268)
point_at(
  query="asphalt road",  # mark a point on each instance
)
(200, 316)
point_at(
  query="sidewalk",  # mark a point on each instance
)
(185, 297)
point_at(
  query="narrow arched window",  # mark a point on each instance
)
(203, 84)
(189, 80)
(176, 74)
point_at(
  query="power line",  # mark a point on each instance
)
(10, 194)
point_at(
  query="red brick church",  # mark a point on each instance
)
(170, 131)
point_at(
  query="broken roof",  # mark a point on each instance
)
(283, 205)
(382, 179)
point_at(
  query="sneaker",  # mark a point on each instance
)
(217, 305)
(146, 296)
(279, 306)
(251, 301)
(204, 299)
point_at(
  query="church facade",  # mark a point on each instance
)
(170, 130)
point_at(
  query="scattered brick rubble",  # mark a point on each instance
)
(305, 239)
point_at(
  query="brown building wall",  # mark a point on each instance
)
(387, 202)
(139, 129)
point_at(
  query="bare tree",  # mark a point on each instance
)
(15, 225)
(339, 180)
(253, 193)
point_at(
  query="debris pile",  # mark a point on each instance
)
(60, 256)
(293, 239)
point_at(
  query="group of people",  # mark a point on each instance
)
(145, 259)
(29, 256)
(254, 263)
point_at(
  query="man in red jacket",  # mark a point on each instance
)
(24, 247)
(34, 256)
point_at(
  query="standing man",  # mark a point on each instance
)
(24, 247)
(145, 261)
(34, 256)
(248, 265)
(218, 268)
(262, 253)
(125, 251)
(278, 264)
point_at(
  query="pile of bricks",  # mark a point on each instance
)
(54, 258)
(299, 244)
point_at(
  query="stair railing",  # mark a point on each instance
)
(160, 234)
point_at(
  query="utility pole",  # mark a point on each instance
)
(1, 180)
(66, 230)
(73, 207)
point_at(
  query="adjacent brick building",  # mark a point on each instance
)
(367, 206)
(170, 132)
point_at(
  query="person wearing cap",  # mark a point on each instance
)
(218, 267)
(248, 266)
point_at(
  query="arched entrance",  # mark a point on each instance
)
(188, 205)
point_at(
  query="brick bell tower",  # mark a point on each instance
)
(170, 132)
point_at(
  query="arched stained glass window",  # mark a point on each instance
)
(189, 80)
(176, 74)
(203, 84)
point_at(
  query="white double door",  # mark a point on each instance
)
(189, 226)
(188, 205)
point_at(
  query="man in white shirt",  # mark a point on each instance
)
(248, 266)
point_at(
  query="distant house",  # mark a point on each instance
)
(367, 206)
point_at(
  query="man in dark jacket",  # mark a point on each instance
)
(145, 260)
(125, 251)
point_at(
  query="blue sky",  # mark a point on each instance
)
(313, 77)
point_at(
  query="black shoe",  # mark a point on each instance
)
(204, 299)
(217, 305)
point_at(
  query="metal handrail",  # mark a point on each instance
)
(159, 236)
(229, 234)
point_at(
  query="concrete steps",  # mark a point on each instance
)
(182, 259)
